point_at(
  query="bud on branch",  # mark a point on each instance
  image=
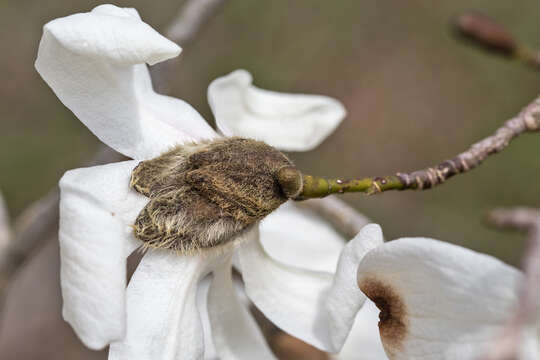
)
(486, 33)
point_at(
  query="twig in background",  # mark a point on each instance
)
(31, 228)
(507, 345)
(5, 227)
(188, 22)
(528, 120)
(41, 217)
(343, 217)
(486, 33)
(283, 345)
(37, 222)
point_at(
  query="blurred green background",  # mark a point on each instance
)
(414, 94)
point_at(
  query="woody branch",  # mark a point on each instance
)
(528, 120)
(507, 344)
(483, 32)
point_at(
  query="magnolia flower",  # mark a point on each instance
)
(436, 301)
(95, 64)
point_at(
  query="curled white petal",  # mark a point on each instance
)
(311, 305)
(344, 299)
(235, 333)
(297, 237)
(95, 64)
(438, 301)
(109, 9)
(113, 34)
(96, 210)
(5, 226)
(163, 321)
(291, 122)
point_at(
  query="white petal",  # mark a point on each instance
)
(96, 211)
(530, 343)
(310, 305)
(344, 300)
(298, 237)
(109, 9)
(234, 331)
(364, 341)
(441, 301)
(210, 352)
(292, 122)
(163, 321)
(95, 64)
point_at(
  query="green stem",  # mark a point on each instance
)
(298, 186)
(318, 187)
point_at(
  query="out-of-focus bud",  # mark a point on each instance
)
(486, 32)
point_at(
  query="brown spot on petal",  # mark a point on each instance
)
(393, 325)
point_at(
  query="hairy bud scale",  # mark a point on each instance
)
(203, 195)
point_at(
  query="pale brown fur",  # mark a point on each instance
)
(204, 195)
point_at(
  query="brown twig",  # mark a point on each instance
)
(343, 217)
(528, 120)
(5, 227)
(41, 217)
(188, 22)
(507, 345)
(36, 222)
(28, 232)
(6, 239)
(283, 345)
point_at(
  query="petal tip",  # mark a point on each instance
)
(241, 75)
(95, 343)
(371, 234)
(66, 179)
(168, 50)
(373, 229)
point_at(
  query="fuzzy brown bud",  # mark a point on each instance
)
(290, 180)
(203, 195)
(486, 32)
